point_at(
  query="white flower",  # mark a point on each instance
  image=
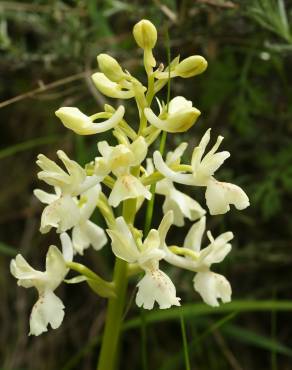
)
(155, 285)
(49, 309)
(180, 117)
(62, 211)
(72, 182)
(81, 124)
(218, 195)
(212, 286)
(85, 232)
(182, 205)
(119, 160)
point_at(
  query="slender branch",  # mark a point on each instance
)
(43, 88)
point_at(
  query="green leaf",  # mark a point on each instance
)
(255, 339)
(201, 309)
(7, 250)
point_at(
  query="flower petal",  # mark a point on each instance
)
(49, 309)
(219, 196)
(110, 88)
(161, 166)
(182, 206)
(177, 122)
(164, 226)
(89, 206)
(62, 214)
(56, 268)
(156, 286)
(44, 197)
(67, 248)
(87, 233)
(123, 243)
(25, 274)
(193, 239)
(139, 149)
(126, 187)
(212, 286)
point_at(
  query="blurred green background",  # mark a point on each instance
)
(48, 52)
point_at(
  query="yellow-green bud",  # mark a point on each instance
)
(110, 67)
(191, 66)
(145, 34)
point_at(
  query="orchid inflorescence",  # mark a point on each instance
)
(128, 176)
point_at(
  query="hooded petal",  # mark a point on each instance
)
(126, 187)
(49, 309)
(139, 149)
(211, 287)
(179, 121)
(123, 243)
(56, 268)
(151, 253)
(91, 196)
(178, 104)
(156, 286)
(219, 196)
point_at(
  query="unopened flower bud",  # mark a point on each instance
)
(191, 66)
(145, 34)
(110, 67)
(110, 88)
(81, 124)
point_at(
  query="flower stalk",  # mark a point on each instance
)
(131, 176)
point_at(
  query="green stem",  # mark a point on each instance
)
(185, 343)
(114, 316)
(109, 347)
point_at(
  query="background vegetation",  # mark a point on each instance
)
(48, 51)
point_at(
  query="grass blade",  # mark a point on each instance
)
(26, 145)
(200, 309)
